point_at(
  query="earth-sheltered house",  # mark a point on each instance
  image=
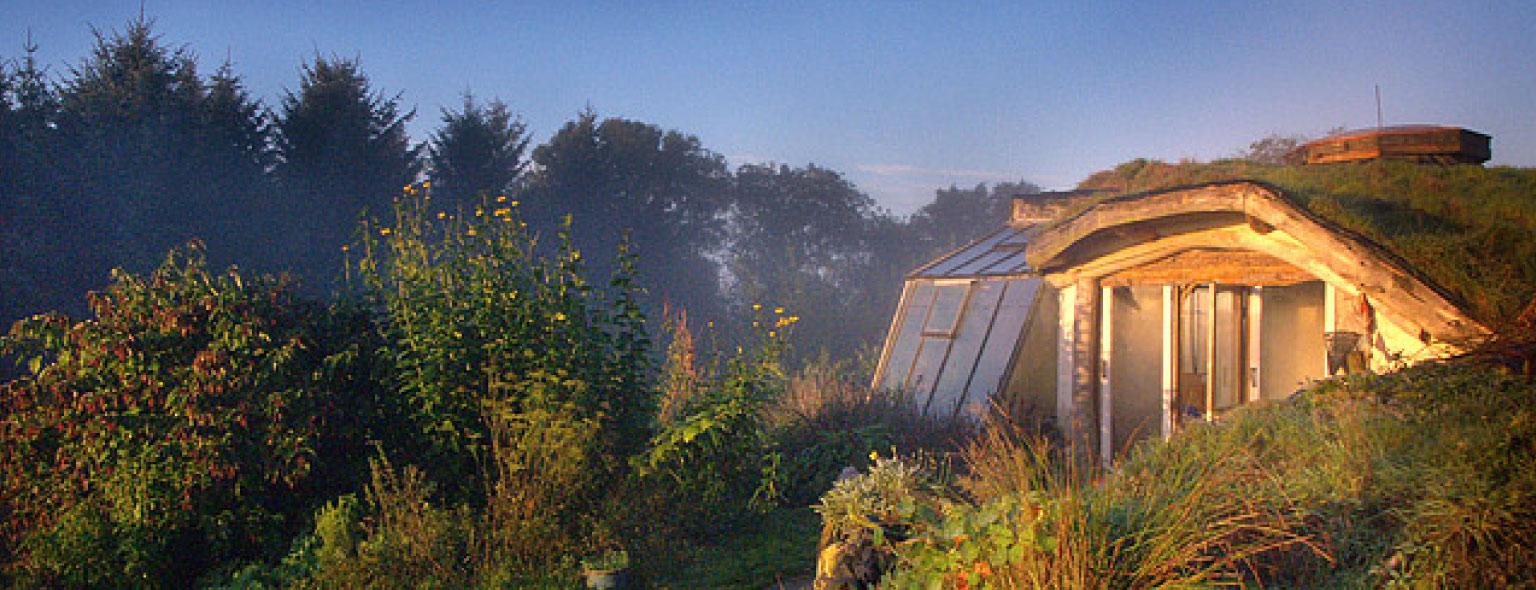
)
(1142, 314)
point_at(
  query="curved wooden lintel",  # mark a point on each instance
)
(1138, 230)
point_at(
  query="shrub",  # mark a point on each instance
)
(526, 387)
(711, 464)
(829, 419)
(193, 420)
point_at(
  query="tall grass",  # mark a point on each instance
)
(829, 419)
(1425, 478)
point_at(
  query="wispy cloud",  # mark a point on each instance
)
(909, 170)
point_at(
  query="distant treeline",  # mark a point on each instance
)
(134, 151)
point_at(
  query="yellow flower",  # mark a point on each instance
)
(502, 211)
(427, 184)
(471, 231)
(345, 248)
(772, 334)
(559, 317)
(756, 306)
(501, 199)
(514, 203)
(778, 310)
(441, 214)
(384, 231)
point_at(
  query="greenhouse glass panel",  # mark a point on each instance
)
(909, 331)
(930, 358)
(945, 315)
(1007, 328)
(980, 307)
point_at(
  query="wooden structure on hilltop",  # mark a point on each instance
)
(1426, 144)
(1147, 313)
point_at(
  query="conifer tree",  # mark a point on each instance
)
(479, 150)
(342, 150)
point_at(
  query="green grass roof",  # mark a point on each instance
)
(1470, 229)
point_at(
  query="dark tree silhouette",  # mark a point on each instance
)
(342, 151)
(618, 175)
(125, 115)
(478, 151)
(33, 277)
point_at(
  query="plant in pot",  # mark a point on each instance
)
(607, 571)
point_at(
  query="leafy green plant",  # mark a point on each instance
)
(527, 387)
(193, 420)
(712, 461)
(866, 504)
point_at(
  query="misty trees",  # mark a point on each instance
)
(134, 151)
(113, 165)
(956, 216)
(615, 176)
(29, 196)
(478, 150)
(341, 148)
(800, 239)
(124, 117)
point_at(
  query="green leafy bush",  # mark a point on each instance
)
(526, 387)
(712, 464)
(195, 419)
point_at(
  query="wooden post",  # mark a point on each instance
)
(1330, 324)
(1210, 355)
(1085, 354)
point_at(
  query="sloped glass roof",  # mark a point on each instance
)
(999, 254)
(953, 339)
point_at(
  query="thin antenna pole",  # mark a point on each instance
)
(1378, 107)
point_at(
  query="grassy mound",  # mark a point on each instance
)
(1422, 478)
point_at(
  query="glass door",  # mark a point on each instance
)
(1213, 348)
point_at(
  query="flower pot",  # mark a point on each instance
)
(614, 579)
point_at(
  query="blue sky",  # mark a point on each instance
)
(902, 97)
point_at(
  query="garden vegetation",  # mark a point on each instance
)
(487, 400)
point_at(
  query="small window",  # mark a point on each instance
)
(946, 312)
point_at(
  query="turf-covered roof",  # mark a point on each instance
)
(1470, 229)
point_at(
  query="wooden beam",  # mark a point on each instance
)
(1255, 334)
(1066, 343)
(1233, 267)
